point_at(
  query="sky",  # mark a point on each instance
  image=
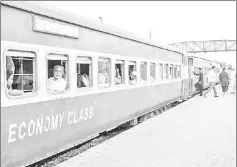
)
(169, 21)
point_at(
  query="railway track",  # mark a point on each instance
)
(74, 151)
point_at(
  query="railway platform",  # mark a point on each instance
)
(200, 132)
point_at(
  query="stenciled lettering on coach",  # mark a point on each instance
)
(45, 124)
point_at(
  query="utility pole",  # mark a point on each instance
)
(150, 34)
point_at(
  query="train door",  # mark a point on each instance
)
(190, 75)
(185, 78)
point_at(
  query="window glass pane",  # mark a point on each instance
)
(171, 71)
(57, 73)
(132, 73)
(143, 71)
(179, 71)
(161, 71)
(84, 73)
(103, 71)
(166, 71)
(20, 71)
(119, 72)
(175, 71)
(153, 72)
(28, 66)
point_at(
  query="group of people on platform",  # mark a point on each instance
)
(227, 81)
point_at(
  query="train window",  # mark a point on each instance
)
(119, 72)
(84, 72)
(175, 71)
(20, 72)
(161, 71)
(132, 72)
(166, 71)
(179, 71)
(57, 73)
(152, 72)
(143, 71)
(171, 71)
(103, 71)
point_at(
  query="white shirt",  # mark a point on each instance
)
(211, 76)
(57, 85)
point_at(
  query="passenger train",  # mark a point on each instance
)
(38, 123)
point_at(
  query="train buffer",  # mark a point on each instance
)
(200, 132)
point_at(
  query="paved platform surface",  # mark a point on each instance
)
(200, 132)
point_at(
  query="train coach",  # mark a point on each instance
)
(194, 63)
(36, 122)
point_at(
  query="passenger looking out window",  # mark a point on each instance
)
(103, 71)
(132, 73)
(133, 78)
(20, 70)
(119, 72)
(118, 78)
(84, 78)
(57, 83)
(57, 70)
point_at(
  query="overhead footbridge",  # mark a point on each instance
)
(206, 46)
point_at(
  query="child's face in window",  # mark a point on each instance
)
(58, 73)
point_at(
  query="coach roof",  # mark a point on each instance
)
(68, 17)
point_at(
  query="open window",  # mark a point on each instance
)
(132, 72)
(175, 71)
(143, 71)
(57, 73)
(161, 71)
(179, 71)
(119, 72)
(171, 72)
(20, 72)
(166, 71)
(103, 71)
(84, 72)
(152, 72)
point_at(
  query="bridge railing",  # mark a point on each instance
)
(206, 46)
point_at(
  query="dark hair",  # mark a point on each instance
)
(213, 67)
(200, 68)
(224, 69)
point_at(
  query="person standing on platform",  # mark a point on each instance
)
(232, 81)
(224, 80)
(200, 82)
(212, 82)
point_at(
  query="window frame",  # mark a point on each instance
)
(171, 66)
(120, 61)
(155, 74)
(166, 71)
(161, 78)
(90, 72)
(180, 68)
(141, 80)
(66, 71)
(35, 71)
(175, 71)
(134, 63)
(106, 85)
